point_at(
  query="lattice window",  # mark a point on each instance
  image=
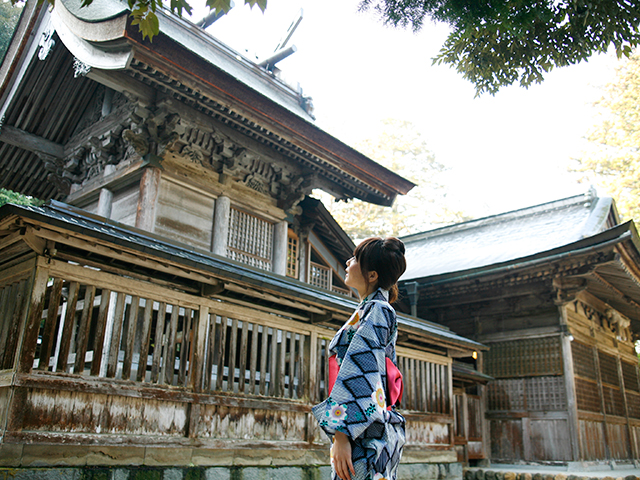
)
(545, 393)
(319, 275)
(532, 357)
(584, 363)
(292, 255)
(633, 404)
(588, 396)
(613, 404)
(608, 369)
(250, 239)
(630, 376)
(506, 394)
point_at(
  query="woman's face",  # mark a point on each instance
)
(354, 277)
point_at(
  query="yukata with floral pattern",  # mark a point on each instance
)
(357, 403)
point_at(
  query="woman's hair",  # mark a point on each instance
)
(384, 256)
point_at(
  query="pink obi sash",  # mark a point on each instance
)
(394, 380)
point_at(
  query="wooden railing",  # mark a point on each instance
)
(89, 332)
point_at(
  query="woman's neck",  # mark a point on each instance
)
(364, 295)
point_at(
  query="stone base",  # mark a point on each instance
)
(406, 472)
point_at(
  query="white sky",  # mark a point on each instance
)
(504, 152)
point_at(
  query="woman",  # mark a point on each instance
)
(368, 435)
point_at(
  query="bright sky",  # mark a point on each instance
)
(504, 152)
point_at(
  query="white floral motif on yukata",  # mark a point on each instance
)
(337, 413)
(379, 399)
(379, 476)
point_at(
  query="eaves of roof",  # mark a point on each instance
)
(248, 88)
(75, 220)
(608, 238)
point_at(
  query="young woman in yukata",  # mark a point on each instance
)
(368, 435)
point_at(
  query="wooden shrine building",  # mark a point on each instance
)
(175, 309)
(554, 292)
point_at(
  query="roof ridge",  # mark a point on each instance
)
(589, 198)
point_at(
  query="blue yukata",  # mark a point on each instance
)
(357, 403)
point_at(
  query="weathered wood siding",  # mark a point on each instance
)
(606, 382)
(109, 360)
(124, 205)
(184, 214)
(527, 403)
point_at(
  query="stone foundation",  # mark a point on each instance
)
(407, 472)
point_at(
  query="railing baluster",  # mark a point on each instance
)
(158, 342)
(82, 337)
(114, 348)
(69, 321)
(98, 344)
(220, 354)
(145, 340)
(50, 325)
(132, 322)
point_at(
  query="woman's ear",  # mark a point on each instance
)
(373, 277)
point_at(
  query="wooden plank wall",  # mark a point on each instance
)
(117, 361)
(184, 214)
(606, 383)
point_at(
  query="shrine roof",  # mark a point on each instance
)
(77, 222)
(184, 64)
(507, 237)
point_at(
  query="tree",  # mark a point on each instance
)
(402, 149)
(495, 43)
(612, 159)
(8, 196)
(9, 16)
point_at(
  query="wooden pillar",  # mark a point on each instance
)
(221, 217)
(280, 239)
(105, 202)
(304, 255)
(607, 440)
(570, 386)
(29, 334)
(149, 188)
(623, 392)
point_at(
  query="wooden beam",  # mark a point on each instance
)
(28, 141)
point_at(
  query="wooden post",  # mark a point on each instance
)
(570, 387)
(631, 436)
(607, 440)
(196, 370)
(149, 188)
(29, 334)
(221, 217)
(105, 202)
(280, 238)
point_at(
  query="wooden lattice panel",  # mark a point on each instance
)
(292, 256)
(613, 404)
(545, 393)
(507, 394)
(633, 404)
(608, 369)
(630, 376)
(584, 363)
(588, 396)
(531, 357)
(319, 276)
(250, 240)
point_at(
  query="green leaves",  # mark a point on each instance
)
(144, 15)
(495, 43)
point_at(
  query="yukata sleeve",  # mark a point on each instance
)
(358, 396)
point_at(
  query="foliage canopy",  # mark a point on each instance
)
(9, 196)
(9, 16)
(495, 43)
(612, 159)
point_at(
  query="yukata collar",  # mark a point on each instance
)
(379, 291)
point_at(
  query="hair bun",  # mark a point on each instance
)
(394, 244)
